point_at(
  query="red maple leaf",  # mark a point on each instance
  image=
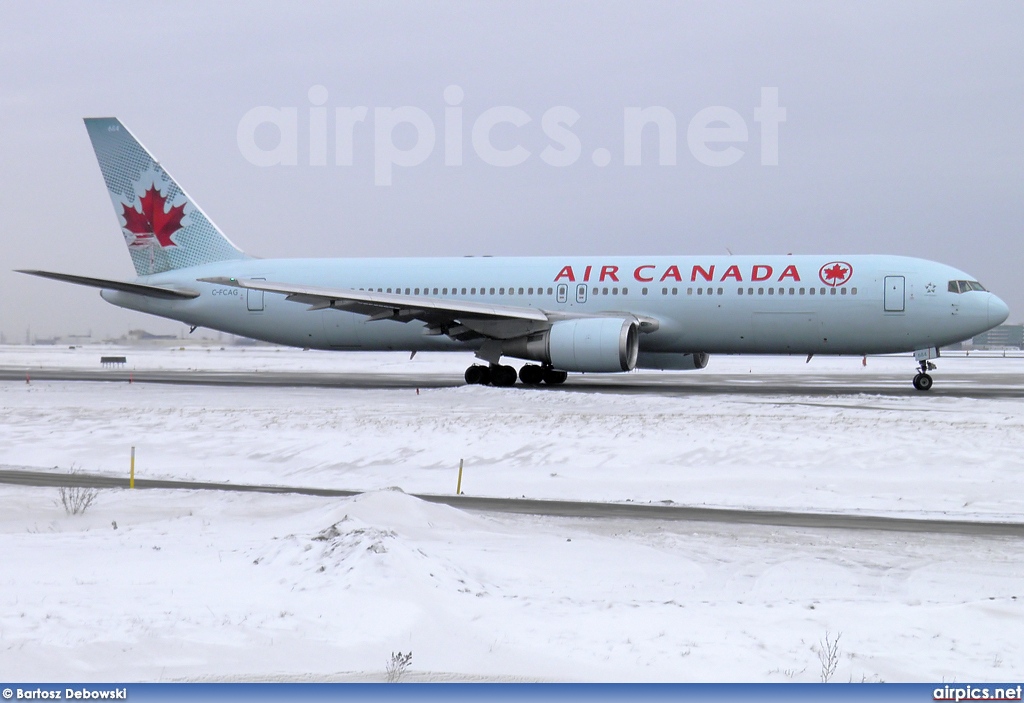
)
(836, 273)
(153, 221)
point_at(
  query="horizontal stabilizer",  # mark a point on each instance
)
(124, 286)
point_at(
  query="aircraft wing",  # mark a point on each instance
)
(459, 319)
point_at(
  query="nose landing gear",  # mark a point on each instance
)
(922, 381)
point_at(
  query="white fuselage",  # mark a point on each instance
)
(734, 304)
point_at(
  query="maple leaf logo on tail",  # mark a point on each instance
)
(835, 273)
(153, 222)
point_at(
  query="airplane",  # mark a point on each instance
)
(580, 314)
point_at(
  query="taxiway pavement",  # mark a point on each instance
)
(26, 476)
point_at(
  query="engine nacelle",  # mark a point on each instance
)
(664, 361)
(593, 344)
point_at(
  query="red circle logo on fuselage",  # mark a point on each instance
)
(835, 273)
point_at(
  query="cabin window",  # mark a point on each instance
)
(643, 291)
(771, 291)
(675, 291)
(760, 291)
(802, 291)
(843, 291)
(853, 291)
(833, 291)
(739, 291)
(625, 291)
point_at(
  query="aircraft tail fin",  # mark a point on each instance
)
(162, 226)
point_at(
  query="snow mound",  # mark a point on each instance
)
(375, 542)
(408, 514)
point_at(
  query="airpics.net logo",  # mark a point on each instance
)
(407, 136)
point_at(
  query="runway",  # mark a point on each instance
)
(558, 508)
(953, 384)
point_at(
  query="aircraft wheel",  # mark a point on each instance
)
(531, 375)
(478, 375)
(923, 382)
(503, 376)
(554, 378)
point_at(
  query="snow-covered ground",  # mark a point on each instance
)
(210, 585)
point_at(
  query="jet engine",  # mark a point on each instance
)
(594, 344)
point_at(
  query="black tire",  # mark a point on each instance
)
(503, 376)
(923, 382)
(477, 375)
(531, 375)
(554, 378)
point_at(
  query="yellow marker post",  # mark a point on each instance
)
(131, 477)
(458, 488)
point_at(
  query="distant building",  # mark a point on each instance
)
(1001, 337)
(144, 336)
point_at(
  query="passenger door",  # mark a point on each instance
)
(254, 298)
(895, 290)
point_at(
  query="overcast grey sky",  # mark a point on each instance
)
(904, 132)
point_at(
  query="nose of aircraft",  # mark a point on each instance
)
(997, 311)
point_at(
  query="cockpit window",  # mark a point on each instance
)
(964, 286)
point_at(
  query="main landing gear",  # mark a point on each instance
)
(505, 376)
(922, 381)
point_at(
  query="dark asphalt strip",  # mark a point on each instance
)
(697, 383)
(561, 508)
